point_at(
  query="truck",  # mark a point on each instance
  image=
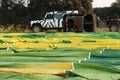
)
(113, 24)
(52, 20)
(61, 21)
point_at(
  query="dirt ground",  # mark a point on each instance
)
(102, 27)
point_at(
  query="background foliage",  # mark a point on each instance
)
(112, 12)
(15, 12)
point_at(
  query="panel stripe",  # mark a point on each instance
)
(51, 23)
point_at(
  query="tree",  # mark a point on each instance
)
(40, 7)
(116, 9)
(83, 6)
(116, 4)
(13, 12)
(112, 12)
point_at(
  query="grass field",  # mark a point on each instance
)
(60, 56)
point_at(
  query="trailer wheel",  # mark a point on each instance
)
(37, 28)
(113, 28)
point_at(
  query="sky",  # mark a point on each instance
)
(102, 3)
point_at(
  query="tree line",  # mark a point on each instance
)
(112, 12)
(15, 12)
